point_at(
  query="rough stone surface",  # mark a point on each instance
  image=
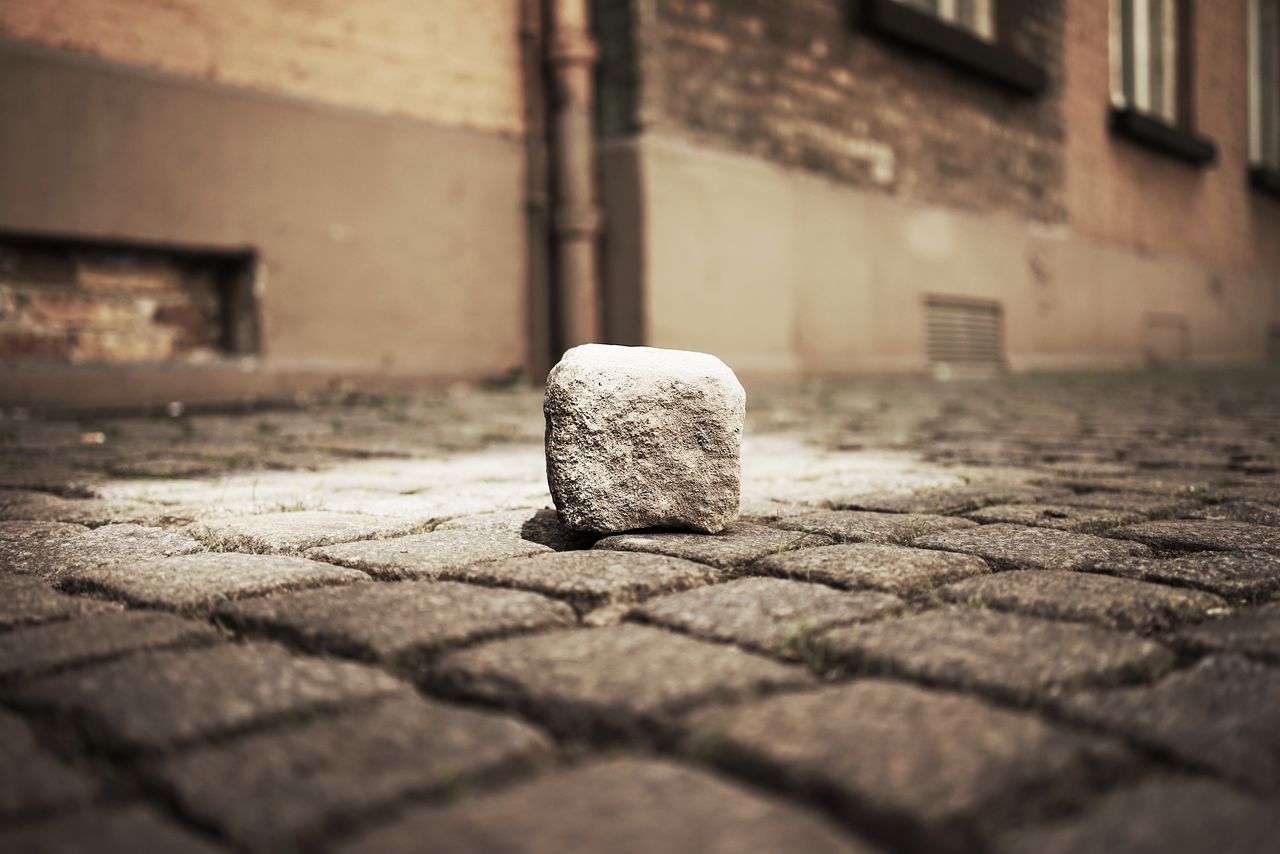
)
(42, 649)
(28, 601)
(1143, 503)
(10, 531)
(31, 779)
(1244, 576)
(608, 682)
(1210, 534)
(593, 579)
(110, 544)
(154, 700)
(1223, 715)
(1252, 631)
(438, 554)
(42, 507)
(860, 526)
(926, 769)
(650, 806)
(293, 532)
(765, 614)
(200, 581)
(1120, 603)
(537, 526)
(1009, 656)
(1253, 512)
(399, 623)
(1019, 547)
(281, 790)
(120, 830)
(1162, 815)
(738, 544)
(639, 437)
(892, 569)
(1063, 517)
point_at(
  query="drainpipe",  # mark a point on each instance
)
(575, 225)
(537, 192)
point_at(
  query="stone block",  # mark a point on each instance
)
(639, 437)
(624, 806)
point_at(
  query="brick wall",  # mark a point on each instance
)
(108, 306)
(455, 62)
(798, 83)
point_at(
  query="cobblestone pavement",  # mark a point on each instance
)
(1035, 614)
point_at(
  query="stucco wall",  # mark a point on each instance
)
(783, 272)
(455, 62)
(387, 245)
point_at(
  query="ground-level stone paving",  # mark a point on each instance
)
(1038, 614)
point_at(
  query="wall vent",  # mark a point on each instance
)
(964, 338)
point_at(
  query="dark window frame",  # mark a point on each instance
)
(1179, 138)
(993, 61)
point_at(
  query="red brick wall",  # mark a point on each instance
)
(94, 306)
(455, 62)
(798, 83)
(1124, 193)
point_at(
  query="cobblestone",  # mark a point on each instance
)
(738, 544)
(891, 569)
(31, 779)
(1018, 547)
(283, 790)
(1235, 575)
(541, 526)
(1034, 706)
(1016, 658)
(438, 554)
(292, 532)
(854, 526)
(30, 601)
(198, 582)
(1251, 512)
(764, 614)
(412, 620)
(928, 770)
(618, 681)
(121, 830)
(110, 544)
(10, 531)
(1221, 715)
(592, 580)
(650, 806)
(43, 649)
(155, 700)
(1119, 603)
(1252, 631)
(1202, 534)
(1161, 814)
(1062, 517)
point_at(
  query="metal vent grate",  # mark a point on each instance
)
(964, 337)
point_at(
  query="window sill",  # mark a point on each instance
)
(925, 32)
(1265, 179)
(1158, 134)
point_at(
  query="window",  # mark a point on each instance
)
(1264, 84)
(1145, 62)
(973, 15)
(1151, 78)
(961, 32)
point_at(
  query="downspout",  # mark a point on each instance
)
(576, 219)
(537, 192)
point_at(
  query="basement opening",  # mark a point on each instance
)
(78, 301)
(964, 338)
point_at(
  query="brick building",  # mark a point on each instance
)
(255, 197)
